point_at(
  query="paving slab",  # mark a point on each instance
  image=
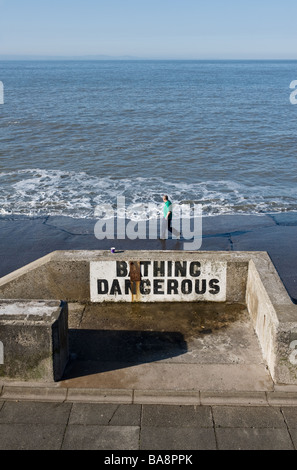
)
(293, 434)
(92, 437)
(31, 436)
(105, 414)
(248, 417)
(86, 413)
(126, 415)
(253, 439)
(171, 438)
(176, 416)
(86, 426)
(290, 416)
(31, 412)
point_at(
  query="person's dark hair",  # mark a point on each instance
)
(165, 197)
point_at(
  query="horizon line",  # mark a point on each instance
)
(98, 57)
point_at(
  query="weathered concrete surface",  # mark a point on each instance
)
(66, 274)
(250, 277)
(164, 347)
(275, 320)
(34, 335)
(55, 276)
(203, 333)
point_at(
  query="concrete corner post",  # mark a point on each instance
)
(34, 335)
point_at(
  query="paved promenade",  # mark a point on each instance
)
(28, 425)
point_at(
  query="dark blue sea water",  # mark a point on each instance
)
(76, 134)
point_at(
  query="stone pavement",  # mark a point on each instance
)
(29, 425)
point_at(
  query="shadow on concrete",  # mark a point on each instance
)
(95, 351)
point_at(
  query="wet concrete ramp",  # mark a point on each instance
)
(164, 346)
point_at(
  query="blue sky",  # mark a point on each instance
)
(177, 29)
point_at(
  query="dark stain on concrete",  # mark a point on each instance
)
(116, 335)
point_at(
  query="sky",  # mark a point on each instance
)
(150, 29)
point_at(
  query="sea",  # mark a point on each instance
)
(77, 134)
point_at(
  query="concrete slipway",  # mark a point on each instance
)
(235, 342)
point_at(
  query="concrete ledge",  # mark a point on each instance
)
(282, 398)
(32, 393)
(34, 335)
(234, 398)
(90, 395)
(53, 393)
(274, 317)
(167, 397)
(66, 274)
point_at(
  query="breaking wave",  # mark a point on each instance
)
(39, 192)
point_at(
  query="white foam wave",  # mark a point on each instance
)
(36, 192)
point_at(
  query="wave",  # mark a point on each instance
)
(40, 192)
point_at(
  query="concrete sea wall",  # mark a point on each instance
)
(166, 276)
(73, 276)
